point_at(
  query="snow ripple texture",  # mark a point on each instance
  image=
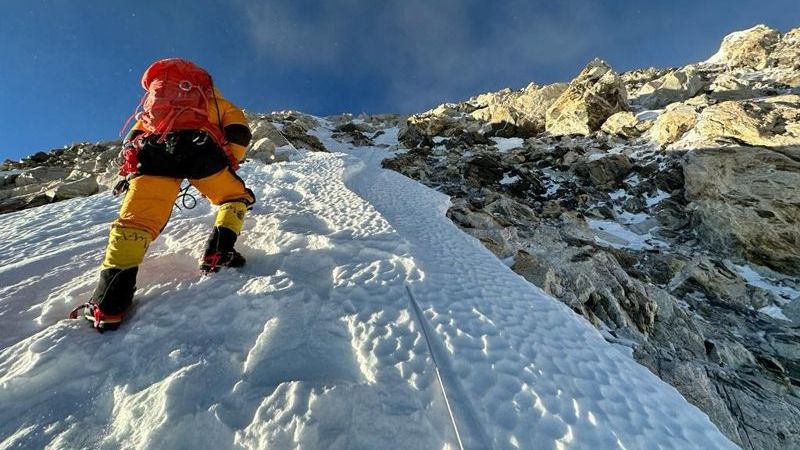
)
(315, 343)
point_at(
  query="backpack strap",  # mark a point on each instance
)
(135, 114)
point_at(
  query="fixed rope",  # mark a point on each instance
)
(424, 327)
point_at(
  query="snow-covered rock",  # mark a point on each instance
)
(749, 49)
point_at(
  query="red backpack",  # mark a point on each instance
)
(176, 99)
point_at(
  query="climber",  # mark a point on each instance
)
(185, 130)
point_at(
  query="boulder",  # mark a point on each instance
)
(300, 120)
(352, 135)
(591, 98)
(39, 157)
(297, 135)
(412, 136)
(749, 49)
(675, 86)
(560, 259)
(262, 150)
(635, 79)
(483, 170)
(266, 139)
(786, 59)
(439, 120)
(19, 203)
(717, 282)
(604, 171)
(24, 190)
(625, 124)
(728, 86)
(787, 51)
(524, 109)
(7, 179)
(673, 123)
(744, 202)
(769, 122)
(41, 175)
(82, 186)
(266, 129)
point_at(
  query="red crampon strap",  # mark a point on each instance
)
(212, 260)
(98, 316)
(96, 313)
(74, 313)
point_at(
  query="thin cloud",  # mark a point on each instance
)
(423, 51)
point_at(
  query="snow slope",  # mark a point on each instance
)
(315, 343)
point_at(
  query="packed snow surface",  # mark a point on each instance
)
(315, 343)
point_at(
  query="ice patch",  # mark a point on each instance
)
(753, 278)
(775, 312)
(656, 199)
(632, 180)
(551, 181)
(628, 218)
(552, 188)
(651, 114)
(783, 294)
(509, 180)
(389, 137)
(597, 156)
(618, 194)
(507, 144)
(616, 235)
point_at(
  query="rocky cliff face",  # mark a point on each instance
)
(660, 204)
(74, 171)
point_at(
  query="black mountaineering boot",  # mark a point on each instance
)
(219, 251)
(111, 299)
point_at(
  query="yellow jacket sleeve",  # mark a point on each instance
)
(229, 114)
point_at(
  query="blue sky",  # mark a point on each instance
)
(70, 69)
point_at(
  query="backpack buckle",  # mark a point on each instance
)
(185, 85)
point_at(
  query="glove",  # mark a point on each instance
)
(121, 187)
